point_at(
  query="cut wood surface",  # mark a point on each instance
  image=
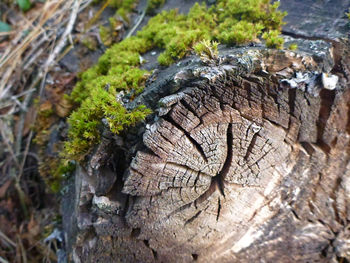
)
(244, 160)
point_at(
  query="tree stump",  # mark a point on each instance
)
(244, 160)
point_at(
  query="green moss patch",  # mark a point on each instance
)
(293, 47)
(207, 51)
(153, 4)
(272, 39)
(231, 22)
(123, 7)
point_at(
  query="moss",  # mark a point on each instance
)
(127, 5)
(48, 162)
(152, 5)
(46, 113)
(207, 51)
(109, 34)
(89, 42)
(86, 121)
(105, 35)
(65, 168)
(240, 32)
(293, 47)
(231, 22)
(58, 170)
(177, 34)
(272, 39)
(243, 21)
(124, 7)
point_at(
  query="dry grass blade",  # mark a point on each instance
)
(22, 249)
(96, 16)
(46, 23)
(11, 52)
(7, 240)
(2, 260)
(61, 43)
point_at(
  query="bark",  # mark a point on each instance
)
(244, 160)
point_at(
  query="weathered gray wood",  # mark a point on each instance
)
(235, 166)
(245, 160)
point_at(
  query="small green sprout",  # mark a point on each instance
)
(207, 51)
(293, 47)
(273, 40)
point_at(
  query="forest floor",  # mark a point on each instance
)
(42, 50)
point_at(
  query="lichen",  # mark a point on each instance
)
(230, 22)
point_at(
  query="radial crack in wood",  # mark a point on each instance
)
(238, 165)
